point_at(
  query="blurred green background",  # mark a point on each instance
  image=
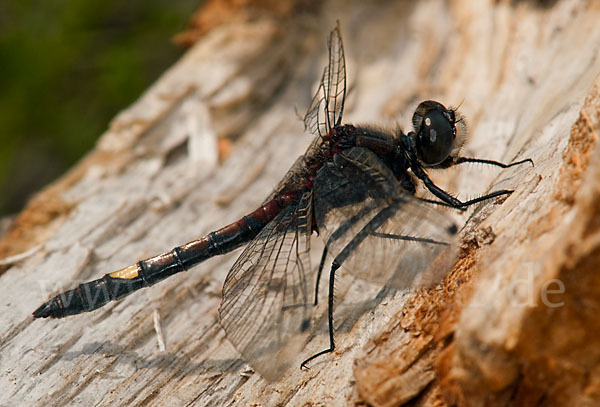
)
(66, 68)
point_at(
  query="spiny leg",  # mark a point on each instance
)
(367, 230)
(462, 160)
(320, 271)
(336, 235)
(334, 266)
(408, 238)
(452, 201)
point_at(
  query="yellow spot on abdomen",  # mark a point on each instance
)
(126, 273)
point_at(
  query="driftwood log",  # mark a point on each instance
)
(516, 321)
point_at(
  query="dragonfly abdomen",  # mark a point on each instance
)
(118, 284)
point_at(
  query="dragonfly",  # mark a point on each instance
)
(356, 188)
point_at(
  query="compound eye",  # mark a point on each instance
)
(435, 137)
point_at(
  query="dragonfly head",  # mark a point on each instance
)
(439, 134)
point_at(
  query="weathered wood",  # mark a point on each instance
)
(520, 72)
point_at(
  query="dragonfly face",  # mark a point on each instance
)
(438, 135)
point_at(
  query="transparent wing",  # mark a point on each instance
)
(379, 232)
(267, 304)
(399, 245)
(324, 113)
(327, 106)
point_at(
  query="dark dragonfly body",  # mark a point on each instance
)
(114, 286)
(355, 186)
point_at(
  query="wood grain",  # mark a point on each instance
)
(520, 71)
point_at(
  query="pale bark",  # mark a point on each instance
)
(520, 71)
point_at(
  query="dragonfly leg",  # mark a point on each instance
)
(408, 238)
(334, 266)
(320, 272)
(462, 160)
(435, 202)
(449, 200)
(335, 236)
(463, 205)
(367, 230)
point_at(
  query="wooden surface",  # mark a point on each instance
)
(162, 175)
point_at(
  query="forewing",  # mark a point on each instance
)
(326, 109)
(378, 231)
(324, 113)
(267, 304)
